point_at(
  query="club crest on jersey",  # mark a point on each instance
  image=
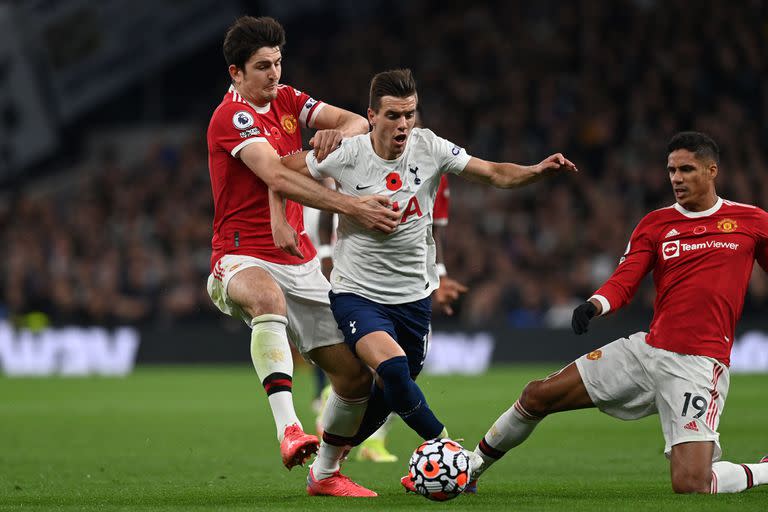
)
(414, 170)
(289, 124)
(242, 120)
(727, 225)
(595, 355)
(393, 181)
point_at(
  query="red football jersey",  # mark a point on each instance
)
(440, 211)
(241, 223)
(701, 263)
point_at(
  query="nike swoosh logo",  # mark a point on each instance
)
(358, 187)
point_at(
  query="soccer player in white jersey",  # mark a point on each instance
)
(381, 284)
(320, 227)
(702, 250)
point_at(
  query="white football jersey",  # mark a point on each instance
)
(399, 267)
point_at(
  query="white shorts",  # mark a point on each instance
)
(629, 379)
(310, 321)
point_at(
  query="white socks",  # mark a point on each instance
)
(728, 477)
(341, 419)
(273, 361)
(512, 428)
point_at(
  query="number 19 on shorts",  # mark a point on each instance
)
(697, 402)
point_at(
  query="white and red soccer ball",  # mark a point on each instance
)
(439, 469)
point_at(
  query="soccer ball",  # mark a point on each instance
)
(439, 469)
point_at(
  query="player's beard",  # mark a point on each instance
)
(269, 93)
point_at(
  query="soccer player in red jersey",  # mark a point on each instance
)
(701, 251)
(273, 282)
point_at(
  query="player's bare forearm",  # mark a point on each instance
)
(309, 192)
(297, 162)
(276, 207)
(283, 234)
(335, 118)
(510, 175)
(371, 212)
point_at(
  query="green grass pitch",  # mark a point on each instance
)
(202, 438)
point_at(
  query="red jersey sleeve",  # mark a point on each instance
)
(638, 260)
(442, 203)
(234, 126)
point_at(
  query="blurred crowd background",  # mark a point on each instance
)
(119, 231)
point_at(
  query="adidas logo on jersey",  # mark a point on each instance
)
(691, 426)
(672, 233)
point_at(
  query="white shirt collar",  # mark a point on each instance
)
(705, 213)
(258, 109)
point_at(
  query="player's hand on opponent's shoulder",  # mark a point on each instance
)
(325, 142)
(555, 163)
(286, 238)
(375, 212)
(448, 293)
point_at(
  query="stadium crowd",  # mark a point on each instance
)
(605, 83)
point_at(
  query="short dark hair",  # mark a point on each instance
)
(697, 143)
(395, 82)
(247, 34)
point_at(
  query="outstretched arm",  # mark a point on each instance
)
(639, 259)
(509, 175)
(370, 211)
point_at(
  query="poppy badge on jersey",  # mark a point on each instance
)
(242, 120)
(394, 182)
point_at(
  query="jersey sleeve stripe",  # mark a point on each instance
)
(310, 116)
(603, 302)
(240, 146)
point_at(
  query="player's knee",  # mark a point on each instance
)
(269, 301)
(353, 385)
(395, 374)
(256, 293)
(691, 482)
(535, 399)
